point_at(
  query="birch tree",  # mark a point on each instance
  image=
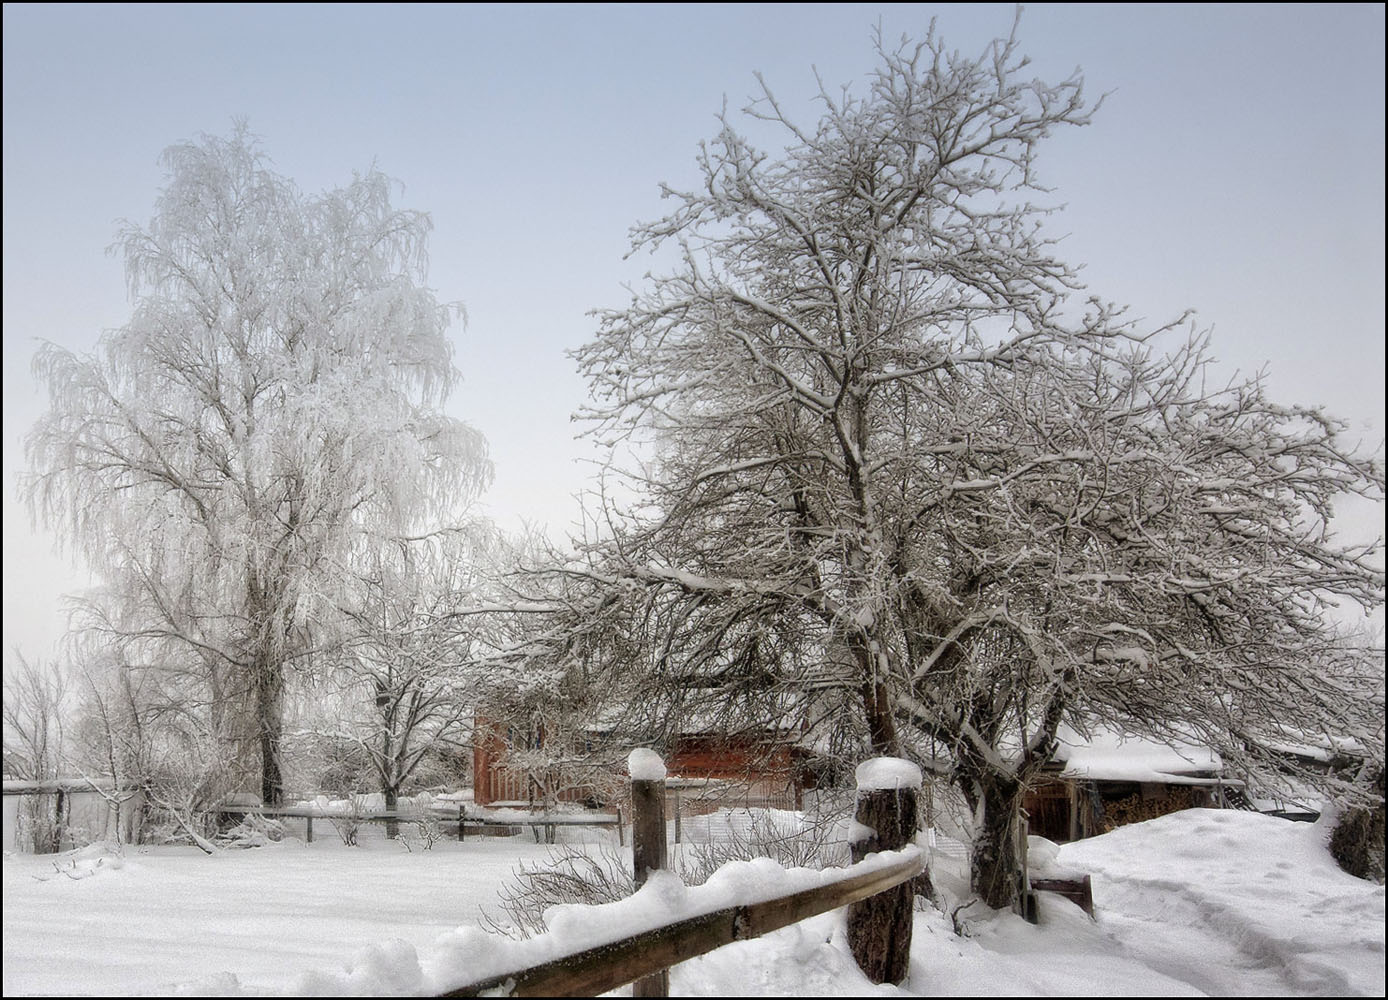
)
(882, 421)
(276, 394)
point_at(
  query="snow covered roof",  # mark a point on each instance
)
(1108, 755)
(1315, 746)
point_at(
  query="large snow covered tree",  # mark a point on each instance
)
(275, 398)
(891, 457)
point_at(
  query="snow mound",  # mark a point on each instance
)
(645, 765)
(887, 772)
(1253, 893)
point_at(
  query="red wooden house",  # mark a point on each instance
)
(534, 764)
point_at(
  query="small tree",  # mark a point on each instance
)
(275, 396)
(407, 663)
(140, 731)
(36, 704)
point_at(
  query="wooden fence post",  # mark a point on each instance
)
(879, 928)
(648, 848)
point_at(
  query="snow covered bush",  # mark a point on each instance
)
(1357, 842)
(254, 830)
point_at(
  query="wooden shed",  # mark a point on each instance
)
(1107, 779)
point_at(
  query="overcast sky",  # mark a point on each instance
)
(1236, 168)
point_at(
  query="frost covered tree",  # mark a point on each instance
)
(896, 464)
(411, 682)
(36, 705)
(275, 397)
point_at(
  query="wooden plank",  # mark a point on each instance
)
(1079, 891)
(605, 967)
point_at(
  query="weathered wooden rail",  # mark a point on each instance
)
(1079, 891)
(608, 966)
(879, 897)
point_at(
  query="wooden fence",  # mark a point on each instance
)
(880, 901)
(458, 819)
(56, 814)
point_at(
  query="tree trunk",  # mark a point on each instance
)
(996, 859)
(877, 703)
(392, 797)
(270, 723)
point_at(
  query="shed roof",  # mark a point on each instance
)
(1109, 755)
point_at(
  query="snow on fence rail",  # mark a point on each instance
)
(605, 967)
(877, 888)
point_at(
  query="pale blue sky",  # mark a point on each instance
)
(1237, 168)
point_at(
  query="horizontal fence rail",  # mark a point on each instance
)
(608, 966)
(431, 812)
(51, 786)
(439, 814)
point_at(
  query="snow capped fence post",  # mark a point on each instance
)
(648, 849)
(879, 927)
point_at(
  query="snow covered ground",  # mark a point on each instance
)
(1203, 902)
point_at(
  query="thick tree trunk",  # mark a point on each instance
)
(877, 702)
(996, 859)
(270, 723)
(392, 797)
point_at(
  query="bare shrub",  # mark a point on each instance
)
(572, 875)
(800, 842)
(349, 820)
(568, 875)
(422, 829)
